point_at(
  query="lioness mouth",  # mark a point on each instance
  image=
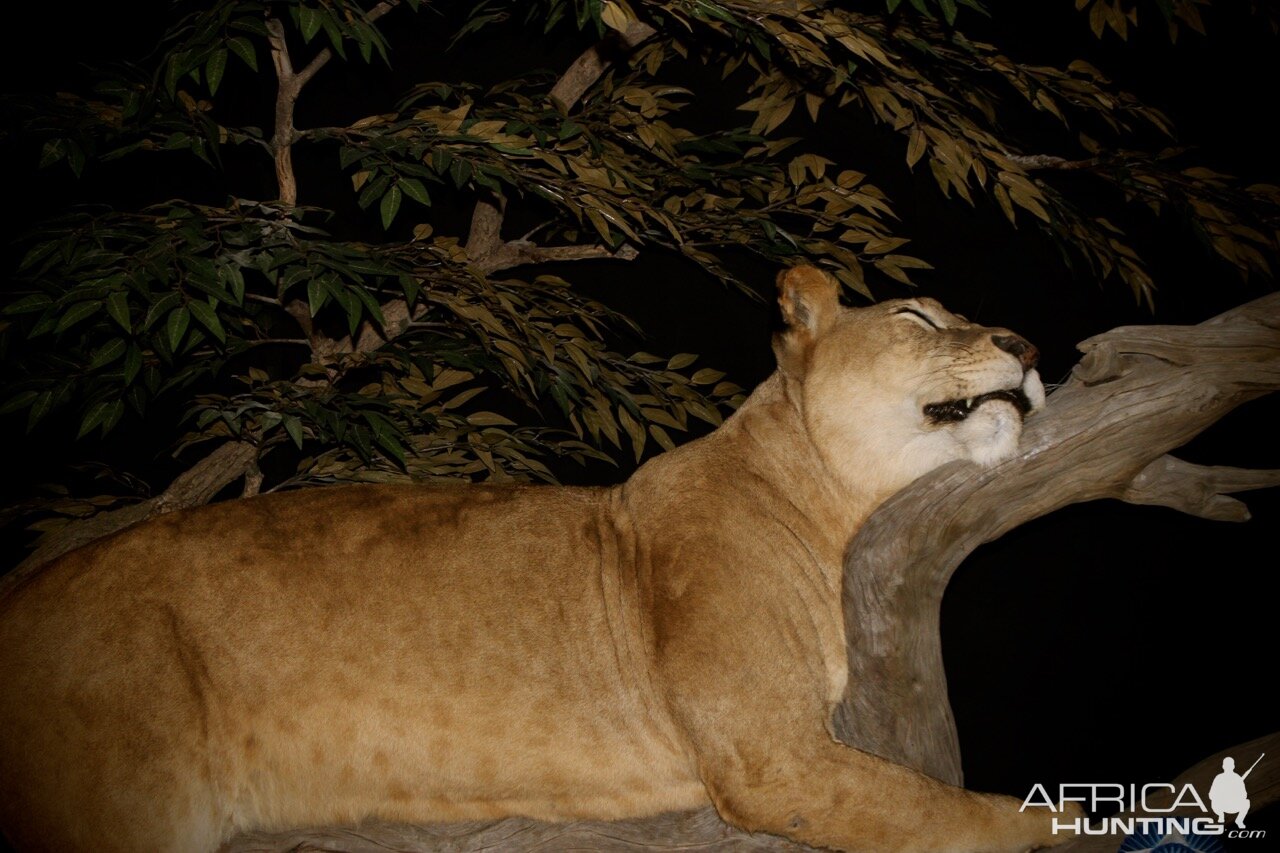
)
(953, 411)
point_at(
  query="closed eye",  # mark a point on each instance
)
(920, 314)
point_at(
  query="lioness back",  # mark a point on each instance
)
(442, 653)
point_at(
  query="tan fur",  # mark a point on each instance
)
(423, 654)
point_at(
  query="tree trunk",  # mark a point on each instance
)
(1138, 393)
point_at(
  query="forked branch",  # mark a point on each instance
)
(195, 486)
(289, 86)
(1138, 393)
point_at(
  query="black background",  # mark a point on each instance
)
(1105, 642)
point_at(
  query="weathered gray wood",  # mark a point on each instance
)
(701, 830)
(1138, 393)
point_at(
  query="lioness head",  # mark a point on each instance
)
(892, 391)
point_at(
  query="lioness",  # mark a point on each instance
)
(422, 655)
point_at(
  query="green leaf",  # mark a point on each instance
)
(364, 41)
(137, 399)
(176, 326)
(348, 155)
(38, 253)
(39, 409)
(52, 151)
(107, 353)
(948, 10)
(208, 317)
(371, 305)
(213, 70)
(132, 363)
(344, 297)
(76, 313)
(112, 417)
(415, 190)
(243, 48)
(392, 446)
(29, 304)
(316, 295)
(97, 412)
(373, 189)
(44, 325)
(159, 308)
(172, 72)
(390, 206)
(235, 279)
(309, 22)
(411, 288)
(118, 308)
(18, 401)
(293, 426)
(335, 36)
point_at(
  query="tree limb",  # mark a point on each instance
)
(485, 235)
(1050, 161)
(594, 61)
(289, 86)
(195, 486)
(1198, 490)
(700, 830)
(1138, 393)
(517, 253)
(282, 137)
(489, 253)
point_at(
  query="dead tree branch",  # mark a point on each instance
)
(195, 486)
(1197, 490)
(1138, 393)
(289, 86)
(594, 61)
(1049, 161)
(700, 830)
(490, 253)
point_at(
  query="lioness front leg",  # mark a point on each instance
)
(821, 792)
(745, 679)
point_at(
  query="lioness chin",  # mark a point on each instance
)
(422, 655)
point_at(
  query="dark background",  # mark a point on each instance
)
(1104, 643)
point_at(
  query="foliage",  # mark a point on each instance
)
(269, 322)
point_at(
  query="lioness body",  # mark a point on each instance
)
(426, 654)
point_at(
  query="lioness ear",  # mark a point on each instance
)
(809, 297)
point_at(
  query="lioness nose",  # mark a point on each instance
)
(1019, 348)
